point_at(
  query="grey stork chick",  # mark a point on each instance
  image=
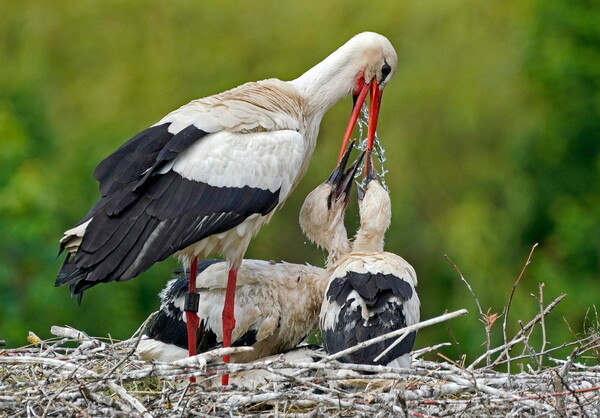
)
(371, 292)
(277, 304)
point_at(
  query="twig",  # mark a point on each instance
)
(521, 334)
(482, 316)
(198, 361)
(145, 324)
(455, 342)
(87, 373)
(508, 307)
(491, 391)
(419, 353)
(69, 332)
(76, 408)
(58, 381)
(403, 332)
(119, 390)
(548, 351)
(134, 347)
(562, 376)
(542, 324)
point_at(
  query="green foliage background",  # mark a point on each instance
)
(491, 126)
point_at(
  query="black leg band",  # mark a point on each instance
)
(192, 301)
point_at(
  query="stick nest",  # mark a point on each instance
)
(77, 375)
(99, 378)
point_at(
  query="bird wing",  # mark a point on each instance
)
(169, 324)
(372, 287)
(268, 318)
(370, 295)
(264, 106)
(194, 188)
(257, 304)
(256, 321)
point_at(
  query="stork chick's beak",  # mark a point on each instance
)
(343, 184)
(370, 175)
(336, 175)
(359, 97)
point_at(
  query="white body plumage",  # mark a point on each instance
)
(277, 304)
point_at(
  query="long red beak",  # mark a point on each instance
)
(376, 94)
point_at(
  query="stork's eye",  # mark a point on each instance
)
(386, 69)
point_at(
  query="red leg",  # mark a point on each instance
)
(228, 317)
(192, 316)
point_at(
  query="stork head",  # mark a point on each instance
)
(364, 65)
(322, 213)
(375, 210)
(374, 63)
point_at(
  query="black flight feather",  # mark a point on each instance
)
(383, 295)
(138, 204)
(132, 159)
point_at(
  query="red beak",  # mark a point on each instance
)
(359, 98)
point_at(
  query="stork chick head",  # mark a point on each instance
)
(322, 213)
(375, 210)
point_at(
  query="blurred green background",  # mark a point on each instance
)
(491, 126)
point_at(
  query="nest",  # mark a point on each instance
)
(77, 375)
(100, 378)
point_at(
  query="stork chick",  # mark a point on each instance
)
(371, 292)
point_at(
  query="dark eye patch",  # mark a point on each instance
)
(385, 71)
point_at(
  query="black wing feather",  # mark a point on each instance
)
(335, 289)
(96, 238)
(139, 204)
(125, 264)
(380, 292)
(401, 288)
(383, 281)
(177, 144)
(132, 158)
(171, 228)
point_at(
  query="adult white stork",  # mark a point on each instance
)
(370, 292)
(207, 176)
(277, 304)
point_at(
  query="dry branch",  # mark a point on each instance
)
(510, 298)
